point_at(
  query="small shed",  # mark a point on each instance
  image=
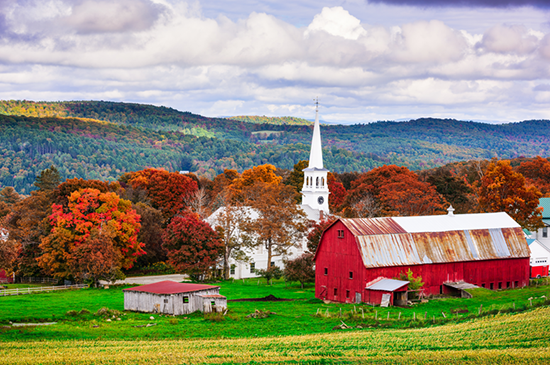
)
(170, 297)
(396, 289)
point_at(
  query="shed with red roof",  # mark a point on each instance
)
(170, 297)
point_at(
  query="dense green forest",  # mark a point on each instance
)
(101, 140)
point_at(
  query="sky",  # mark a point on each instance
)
(366, 61)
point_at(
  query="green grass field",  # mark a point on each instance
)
(509, 330)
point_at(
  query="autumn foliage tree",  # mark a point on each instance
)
(167, 191)
(337, 193)
(192, 246)
(258, 174)
(280, 223)
(300, 269)
(392, 190)
(314, 236)
(537, 173)
(90, 216)
(501, 189)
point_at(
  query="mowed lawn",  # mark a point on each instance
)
(511, 329)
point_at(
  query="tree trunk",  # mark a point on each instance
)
(226, 263)
(269, 255)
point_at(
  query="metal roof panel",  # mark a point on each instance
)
(170, 287)
(387, 285)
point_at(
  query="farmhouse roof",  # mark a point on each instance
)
(170, 287)
(399, 241)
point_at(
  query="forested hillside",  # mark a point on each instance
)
(101, 150)
(97, 139)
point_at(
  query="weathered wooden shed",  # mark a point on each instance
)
(488, 250)
(170, 297)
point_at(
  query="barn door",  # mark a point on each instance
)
(357, 297)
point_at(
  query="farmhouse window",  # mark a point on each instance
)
(545, 232)
(326, 270)
(185, 299)
(272, 263)
(351, 274)
(232, 270)
(335, 291)
(340, 233)
(252, 267)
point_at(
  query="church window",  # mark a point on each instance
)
(545, 232)
(317, 183)
(322, 181)
(252, 267)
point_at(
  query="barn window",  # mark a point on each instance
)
(516, 284)
(340, 233)
(252, 267)
(326, 270)
(545, 232)
(335, 291)
(185, 299)
(351, 274)
(507, 284)
(347, 294)
(491, 286)
(483, 285)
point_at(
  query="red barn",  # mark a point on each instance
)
(488, 250)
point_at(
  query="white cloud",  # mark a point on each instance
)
(509, 39)
(337, 22)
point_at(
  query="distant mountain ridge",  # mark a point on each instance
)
(98, 139)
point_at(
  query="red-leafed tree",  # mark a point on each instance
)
(167, 191)
(501, 189)
(88, 215)
(337, 193)
(314, 236)
(192, 245)
(300, 269)
(392, 190)
(65, 189)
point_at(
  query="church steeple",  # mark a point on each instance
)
(316, 154)
(315, 190)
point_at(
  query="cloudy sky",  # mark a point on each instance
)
(485, 60)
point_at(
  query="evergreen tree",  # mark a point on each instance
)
(48, 179)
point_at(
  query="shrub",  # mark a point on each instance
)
(72, 313)
(84, 311)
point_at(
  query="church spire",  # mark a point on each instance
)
(316, 154)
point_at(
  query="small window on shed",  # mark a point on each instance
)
(335, 291)
(326, 270)
(185, 299)
(213, 303)
(340, 233)
(165, 300)
(351, 274)
(252, 267)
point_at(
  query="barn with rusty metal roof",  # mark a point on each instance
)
(487, 250)
(170, 297)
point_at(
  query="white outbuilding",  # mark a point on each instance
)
(170, 297)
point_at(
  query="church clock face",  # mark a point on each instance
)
(320, 200)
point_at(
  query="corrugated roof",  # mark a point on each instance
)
(170, 287)
(545, 203)
(388, 284)
(367, 226)
(403, 241)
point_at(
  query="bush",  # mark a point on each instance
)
(106, 312)
(84, 311)
(272, 273)
(72, 313)
(214, 317)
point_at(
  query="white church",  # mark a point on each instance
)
(315, 195)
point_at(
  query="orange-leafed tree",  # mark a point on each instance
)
(167, 191)
(9, 251)
(537, 173)
(65, 189)
(192, 246)
(501, 189)
(89, 214)
(280, 223)
(258, 174)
